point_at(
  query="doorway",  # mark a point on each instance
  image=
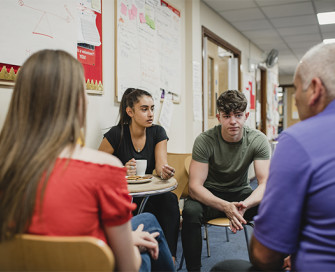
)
(221, 62)
(291, 115)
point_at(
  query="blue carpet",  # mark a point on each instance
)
(220, 249)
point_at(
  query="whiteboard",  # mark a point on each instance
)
(32, 25)
(148, 47)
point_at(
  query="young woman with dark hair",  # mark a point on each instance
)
(136, 137)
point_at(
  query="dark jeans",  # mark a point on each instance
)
(166, 209)
(164, 261)
(195, 214)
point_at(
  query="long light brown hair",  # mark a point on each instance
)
(46, 114)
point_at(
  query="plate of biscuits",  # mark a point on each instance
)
(138, 179)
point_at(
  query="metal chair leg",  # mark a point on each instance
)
(181, 262)
(227, 234)
(246, 236)
(207, 241)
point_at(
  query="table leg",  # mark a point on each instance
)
(142, 205)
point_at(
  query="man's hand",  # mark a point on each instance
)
(146, 241)
(241, 208)
(287, 263)
(235, 217)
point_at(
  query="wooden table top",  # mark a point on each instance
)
(155, 186)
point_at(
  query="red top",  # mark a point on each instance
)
(80, 198)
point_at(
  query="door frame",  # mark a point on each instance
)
(209, 35)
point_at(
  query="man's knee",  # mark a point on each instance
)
(192, 212)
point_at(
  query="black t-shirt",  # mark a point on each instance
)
(125, 151)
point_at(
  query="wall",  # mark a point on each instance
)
(103, 110)
(286, 79)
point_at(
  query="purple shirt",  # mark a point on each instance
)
(297, 213)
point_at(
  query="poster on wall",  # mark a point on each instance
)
(148, 47)
(249, 92)
(33, 25)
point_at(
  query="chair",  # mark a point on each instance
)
(177, 161)
(224, 222)
(46, 253)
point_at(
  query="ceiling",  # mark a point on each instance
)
(290, 26)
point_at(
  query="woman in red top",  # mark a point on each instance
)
(50, 185)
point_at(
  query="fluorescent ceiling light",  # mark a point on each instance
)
(329, 41)
(326, 18)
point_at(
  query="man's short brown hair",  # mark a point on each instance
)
(231, 101)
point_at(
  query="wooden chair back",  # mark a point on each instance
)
(177, 161)
(46, 253)
(187, 164)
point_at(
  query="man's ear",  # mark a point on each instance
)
(218, 116)
(317, 91)
(247, 115)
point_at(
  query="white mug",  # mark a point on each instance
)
(141, 166)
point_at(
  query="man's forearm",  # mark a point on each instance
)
(255, 198)
(204, 196)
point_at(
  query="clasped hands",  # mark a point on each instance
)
(235, 211)
(146, 241)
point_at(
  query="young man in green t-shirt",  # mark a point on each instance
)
(218, 181)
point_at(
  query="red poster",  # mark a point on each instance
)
(252, 96)
(86, 56)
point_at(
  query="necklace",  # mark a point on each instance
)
(138, 149)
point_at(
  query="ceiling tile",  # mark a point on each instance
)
(329, 35)
(294, 21)
(220, 5)
(288, 31)
(242, 15)
(327, 28)
(264, 3)
(299, 47)
(278, 44)
(256, 34)
(253, 25)
(324, 5)
(316, 37)
(304, 8)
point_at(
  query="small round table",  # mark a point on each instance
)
(155, 187)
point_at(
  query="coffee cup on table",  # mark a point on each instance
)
(141, 167)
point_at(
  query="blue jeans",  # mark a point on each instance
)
(164, 261)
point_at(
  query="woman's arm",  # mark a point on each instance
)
(105, 146)
(162, 168)
(127, 255)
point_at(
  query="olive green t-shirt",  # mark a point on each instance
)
(228, 163)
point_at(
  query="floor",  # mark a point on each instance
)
(220, 249)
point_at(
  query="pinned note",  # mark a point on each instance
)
(123, 9)
(134, 10)
(142, 18)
